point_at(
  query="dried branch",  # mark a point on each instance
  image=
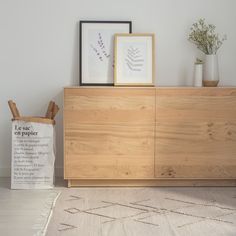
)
(205, 38)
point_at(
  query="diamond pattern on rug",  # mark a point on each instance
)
(64, 227)
(113, 212)
(118, 211)
(72, 210)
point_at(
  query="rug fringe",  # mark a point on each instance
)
(43, 221)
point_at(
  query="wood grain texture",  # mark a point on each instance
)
(152, 182)
(195, 133)
(114, 134)
(114, 105)
(109, 133)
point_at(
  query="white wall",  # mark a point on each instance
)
(39, 49)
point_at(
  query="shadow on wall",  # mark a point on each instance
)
(58, 98)
(75, 60)
(5, 141)
(59, 135)
(39, 107)
(183, 77)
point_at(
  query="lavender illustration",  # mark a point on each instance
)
(134, 59)
(100, 49)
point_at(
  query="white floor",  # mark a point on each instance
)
(112, 211)
(24, 212)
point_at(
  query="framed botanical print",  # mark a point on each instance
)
(96, 50)
(134, 59)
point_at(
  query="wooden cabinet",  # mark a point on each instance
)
(149, 136)
(109, 133)
(195, 133)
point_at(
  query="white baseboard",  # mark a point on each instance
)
(6, 172)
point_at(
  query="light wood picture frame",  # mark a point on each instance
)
(134, 59)
(96, 51)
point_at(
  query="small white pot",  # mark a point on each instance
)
(198, 75)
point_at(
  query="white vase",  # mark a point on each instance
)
(198, 75)
(211, 70)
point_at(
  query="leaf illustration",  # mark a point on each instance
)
(134, 59)
(100, 49)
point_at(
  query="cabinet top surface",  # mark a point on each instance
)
(146, 87)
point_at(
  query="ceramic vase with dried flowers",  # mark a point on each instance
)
(204, 37)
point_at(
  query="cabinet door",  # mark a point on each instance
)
(109, 133)
(195, 133)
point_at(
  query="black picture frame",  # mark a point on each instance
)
(81, 23)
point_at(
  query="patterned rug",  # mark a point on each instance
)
(145, 212)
